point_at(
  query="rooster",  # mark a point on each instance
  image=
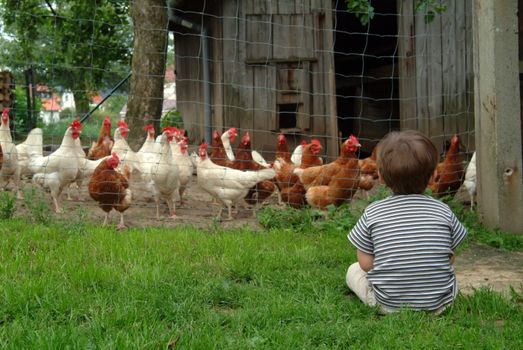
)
(226, 184)
(102, 147)
(59, 169)
(290, 188)
(10, 169)
(244, 161)
(322, 175)
(449, 173)
(110, 188)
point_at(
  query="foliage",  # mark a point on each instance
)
(20, 110)
(69, 43)
(67, 113)
(338, 219)
(237, 289)
(364, 10)
(172, 118)
(7, 205)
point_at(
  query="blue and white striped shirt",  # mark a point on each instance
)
(412, 238)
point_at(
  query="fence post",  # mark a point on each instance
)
(497, 109)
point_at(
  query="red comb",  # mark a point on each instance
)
(246, 137)
(316, 142)
(122, 124)
(5, 111)
(148, 127)
(233, 130)
(303, 142)
(204, 145)
(281, 137)
(107, 119)
(76, 124)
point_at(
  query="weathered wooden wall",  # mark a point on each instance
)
(263, 54)
(436, 72)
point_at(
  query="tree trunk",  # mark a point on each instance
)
(148, 67)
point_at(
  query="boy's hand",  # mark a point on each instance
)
(452, 258)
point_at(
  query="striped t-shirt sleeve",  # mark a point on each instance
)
(458, 231)
(360, 236)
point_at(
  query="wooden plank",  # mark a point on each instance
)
(264, 113)
(465, 20)
(286, 7)
(407, 65)
(245, 76)
(217, 71)
(330, 86)
(303, 119)
(319, 99)
(422, 88)
(258, 37)
(434, 65)
(293, 37)
(450, 93)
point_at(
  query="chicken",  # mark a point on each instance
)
(298, 152)
(368, 171)
(449, 173)
(110, 188)
(149, 143)
(10, 170)
(244, 161)
(340, 188)
(282, 149)
(126, 155)
(218, 153)
(290, 188)
(33, 144)
(470, 179)
(164, 174)
(226, 184)
(184, 162)
(102, 147)
(322, 175)
(59, 169)
(228, 137)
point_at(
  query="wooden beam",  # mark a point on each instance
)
(497, 108)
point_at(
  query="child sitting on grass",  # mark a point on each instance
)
(406, 242)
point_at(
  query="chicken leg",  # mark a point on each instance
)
(121, 225)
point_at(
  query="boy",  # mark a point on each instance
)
(406, 242)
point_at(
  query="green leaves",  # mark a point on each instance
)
(430, 8)
(362, 9)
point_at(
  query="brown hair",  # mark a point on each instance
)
(406, 161)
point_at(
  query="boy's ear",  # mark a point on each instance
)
(380, 178)
(434, 176)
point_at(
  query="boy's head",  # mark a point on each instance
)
(406, 161)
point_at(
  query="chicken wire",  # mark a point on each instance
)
(307, 69)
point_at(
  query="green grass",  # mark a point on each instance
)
(67, 285)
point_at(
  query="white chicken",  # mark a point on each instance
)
(164, 174)
(228, 137)
(184, 162)
(470, 179)
(297, 153)
(149, 143)
(33, 144)
(59, 169)
(226, 184)
(10, 169)
(127, 156)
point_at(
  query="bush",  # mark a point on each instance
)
(20, 118)
(172, 118)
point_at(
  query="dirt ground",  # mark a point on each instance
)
(476, 267)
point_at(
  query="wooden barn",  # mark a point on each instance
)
(309, 68)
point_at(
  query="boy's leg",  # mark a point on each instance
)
(358, 283)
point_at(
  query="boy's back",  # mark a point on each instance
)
(412, 238)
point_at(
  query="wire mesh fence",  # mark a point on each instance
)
(288, 74)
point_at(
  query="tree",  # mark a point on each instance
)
(69, 43)
(148, 66)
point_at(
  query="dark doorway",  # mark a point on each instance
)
(366, 73)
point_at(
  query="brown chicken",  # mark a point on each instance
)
(341, 188)
(291, 189)
(449, 173)
(368, 171)
(104, 144)
(282, 149)
(218, 153)
(262, 190)
(110, 188)
(322, 175)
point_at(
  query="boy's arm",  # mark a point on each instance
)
(365, 260)
(452, 258)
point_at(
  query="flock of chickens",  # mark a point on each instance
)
(164, 169)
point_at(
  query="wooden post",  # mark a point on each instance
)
(497, 109)
(333, 144)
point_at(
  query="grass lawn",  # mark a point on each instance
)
(74, 285)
